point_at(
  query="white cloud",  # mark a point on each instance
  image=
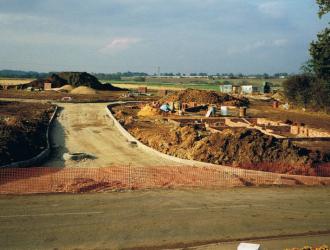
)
(272, 9)
(119, 44)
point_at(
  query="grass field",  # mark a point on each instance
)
(207, 85)
(172, 86)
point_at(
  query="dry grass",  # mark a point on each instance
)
(14, 81)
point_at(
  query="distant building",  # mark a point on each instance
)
(237, 89)
(263, 88)
(228, 88)
(249, 89)
(47, 86)
(142, 90)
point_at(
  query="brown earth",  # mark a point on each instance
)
(76, 79)
(244, 148)
(316, 120)
(260, 108)
(204, 97)
(148, 110)
(83, 90)
(101, 96)
(22, 130)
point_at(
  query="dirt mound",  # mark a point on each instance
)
(82, 90)
(76, 79)
(66, 88)
(245, 148)
(203, 97)
(22, 130)
(147, 110)
(279, 96)
(56, 81)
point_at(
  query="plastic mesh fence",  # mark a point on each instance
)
(79, 180)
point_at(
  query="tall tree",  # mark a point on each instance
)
(320, 49)
(324, 6)
(320, 52)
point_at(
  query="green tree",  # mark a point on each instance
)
(324, 7)
(312, 89)
(298, 89)
(320, 52)
(307, 68)
(320, 49)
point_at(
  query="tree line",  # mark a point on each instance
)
(311, 89)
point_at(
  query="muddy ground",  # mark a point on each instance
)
(259, 108)
(23, 129)
(244, 148)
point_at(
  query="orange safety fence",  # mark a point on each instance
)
(80, 180)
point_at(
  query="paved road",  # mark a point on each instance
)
(163, 218)
(86, 128)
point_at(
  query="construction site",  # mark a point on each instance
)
(72, 137)
(217, 129)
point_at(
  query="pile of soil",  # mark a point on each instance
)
(82, 90)
(148, 110)
(204, 97)
(76, 79)
(245, 148)
(279, 96)
(56, 81)
(66, 88)
(23, 129)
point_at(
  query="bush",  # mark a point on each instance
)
(297, 89)
(308, 91)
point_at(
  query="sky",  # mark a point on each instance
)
(213, 36)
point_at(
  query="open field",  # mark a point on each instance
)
(169, 219)
(14, 81)
(185, 81)
(175, 84)
(168, 86)
(100, 96)
(172, 84)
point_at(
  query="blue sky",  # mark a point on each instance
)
(248, 36)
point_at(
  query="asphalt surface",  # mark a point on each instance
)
(166, 219)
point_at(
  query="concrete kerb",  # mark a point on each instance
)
(42, 156)
(230, 171)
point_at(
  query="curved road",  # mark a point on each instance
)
(86, 128)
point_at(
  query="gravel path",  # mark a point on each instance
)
(86, 128)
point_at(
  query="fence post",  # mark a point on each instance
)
(129, 177)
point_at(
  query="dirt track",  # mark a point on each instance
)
(86, 128)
